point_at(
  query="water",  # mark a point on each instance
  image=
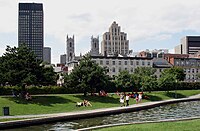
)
(171, 111)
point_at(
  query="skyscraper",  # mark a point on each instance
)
(114, 41)
(47, 55)
(30, 27)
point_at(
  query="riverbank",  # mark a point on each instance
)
(90, 113)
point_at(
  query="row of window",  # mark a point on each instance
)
(116, 37)
(120, 69)
(188, 63)
(122, 62)
(191, 71)
(191, 77)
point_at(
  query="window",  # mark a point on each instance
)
(125, 62)
(107, 62)
(113, 62)
(101, 62)
(149, 63)
(113, 70)
(143, 63)
(131, 69)
(137, 62)
(120, 69)
(120, 62)
(131, 62)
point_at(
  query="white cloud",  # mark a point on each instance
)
(141, 20)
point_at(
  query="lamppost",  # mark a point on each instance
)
(176, 89)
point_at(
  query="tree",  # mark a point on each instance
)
(145, 78)
(19, 66)
(167, 81)
(87, 76)
(123, 80)
(170, 77)
(178, 72)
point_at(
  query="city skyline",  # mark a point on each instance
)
(149, 24)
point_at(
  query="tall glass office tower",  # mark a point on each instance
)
(30, 27)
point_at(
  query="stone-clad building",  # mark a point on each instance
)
(115, 41)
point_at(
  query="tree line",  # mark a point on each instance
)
(19, 66)
(88, 76)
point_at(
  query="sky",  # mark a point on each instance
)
(149, 24)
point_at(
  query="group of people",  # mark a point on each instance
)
(84, 103)
(22, 94)
(124, 98)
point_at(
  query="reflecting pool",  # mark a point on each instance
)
(171, 111)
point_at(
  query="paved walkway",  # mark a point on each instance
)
(96, 110)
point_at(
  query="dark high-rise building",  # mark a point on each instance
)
(47, 55)
(30, 27)
(189, 45)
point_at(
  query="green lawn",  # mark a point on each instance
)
(190, 125)
(45, 104)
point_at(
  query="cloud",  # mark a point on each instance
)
(143, 21)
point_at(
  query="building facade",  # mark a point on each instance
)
(63, 59)
(153, 53)
(30, 27)
(118, 64)
(115, 41)
(47, 55)
(191, 66)
(70, 56)
(94, 46)
(189, 45)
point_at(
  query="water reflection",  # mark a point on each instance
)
(172, 111)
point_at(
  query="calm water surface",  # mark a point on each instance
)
(171, 111)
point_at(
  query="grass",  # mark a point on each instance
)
(57, 103)
(190, 125)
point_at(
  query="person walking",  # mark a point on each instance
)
(127, 99)
(121, 99)
(140, 97)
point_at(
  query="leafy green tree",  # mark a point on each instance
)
(145, 78)
(149, 83)
(170, 78)
(178, 72)
(19, 66)
(87, 76)
(167, 81)
(123, 80)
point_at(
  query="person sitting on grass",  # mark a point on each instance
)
(86, 103)
(28, 96)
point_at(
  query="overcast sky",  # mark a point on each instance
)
(149, 24)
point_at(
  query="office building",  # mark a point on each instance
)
(47, 55)
(189, 45)
(63, 59)
(30, 27)
(115, 42)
